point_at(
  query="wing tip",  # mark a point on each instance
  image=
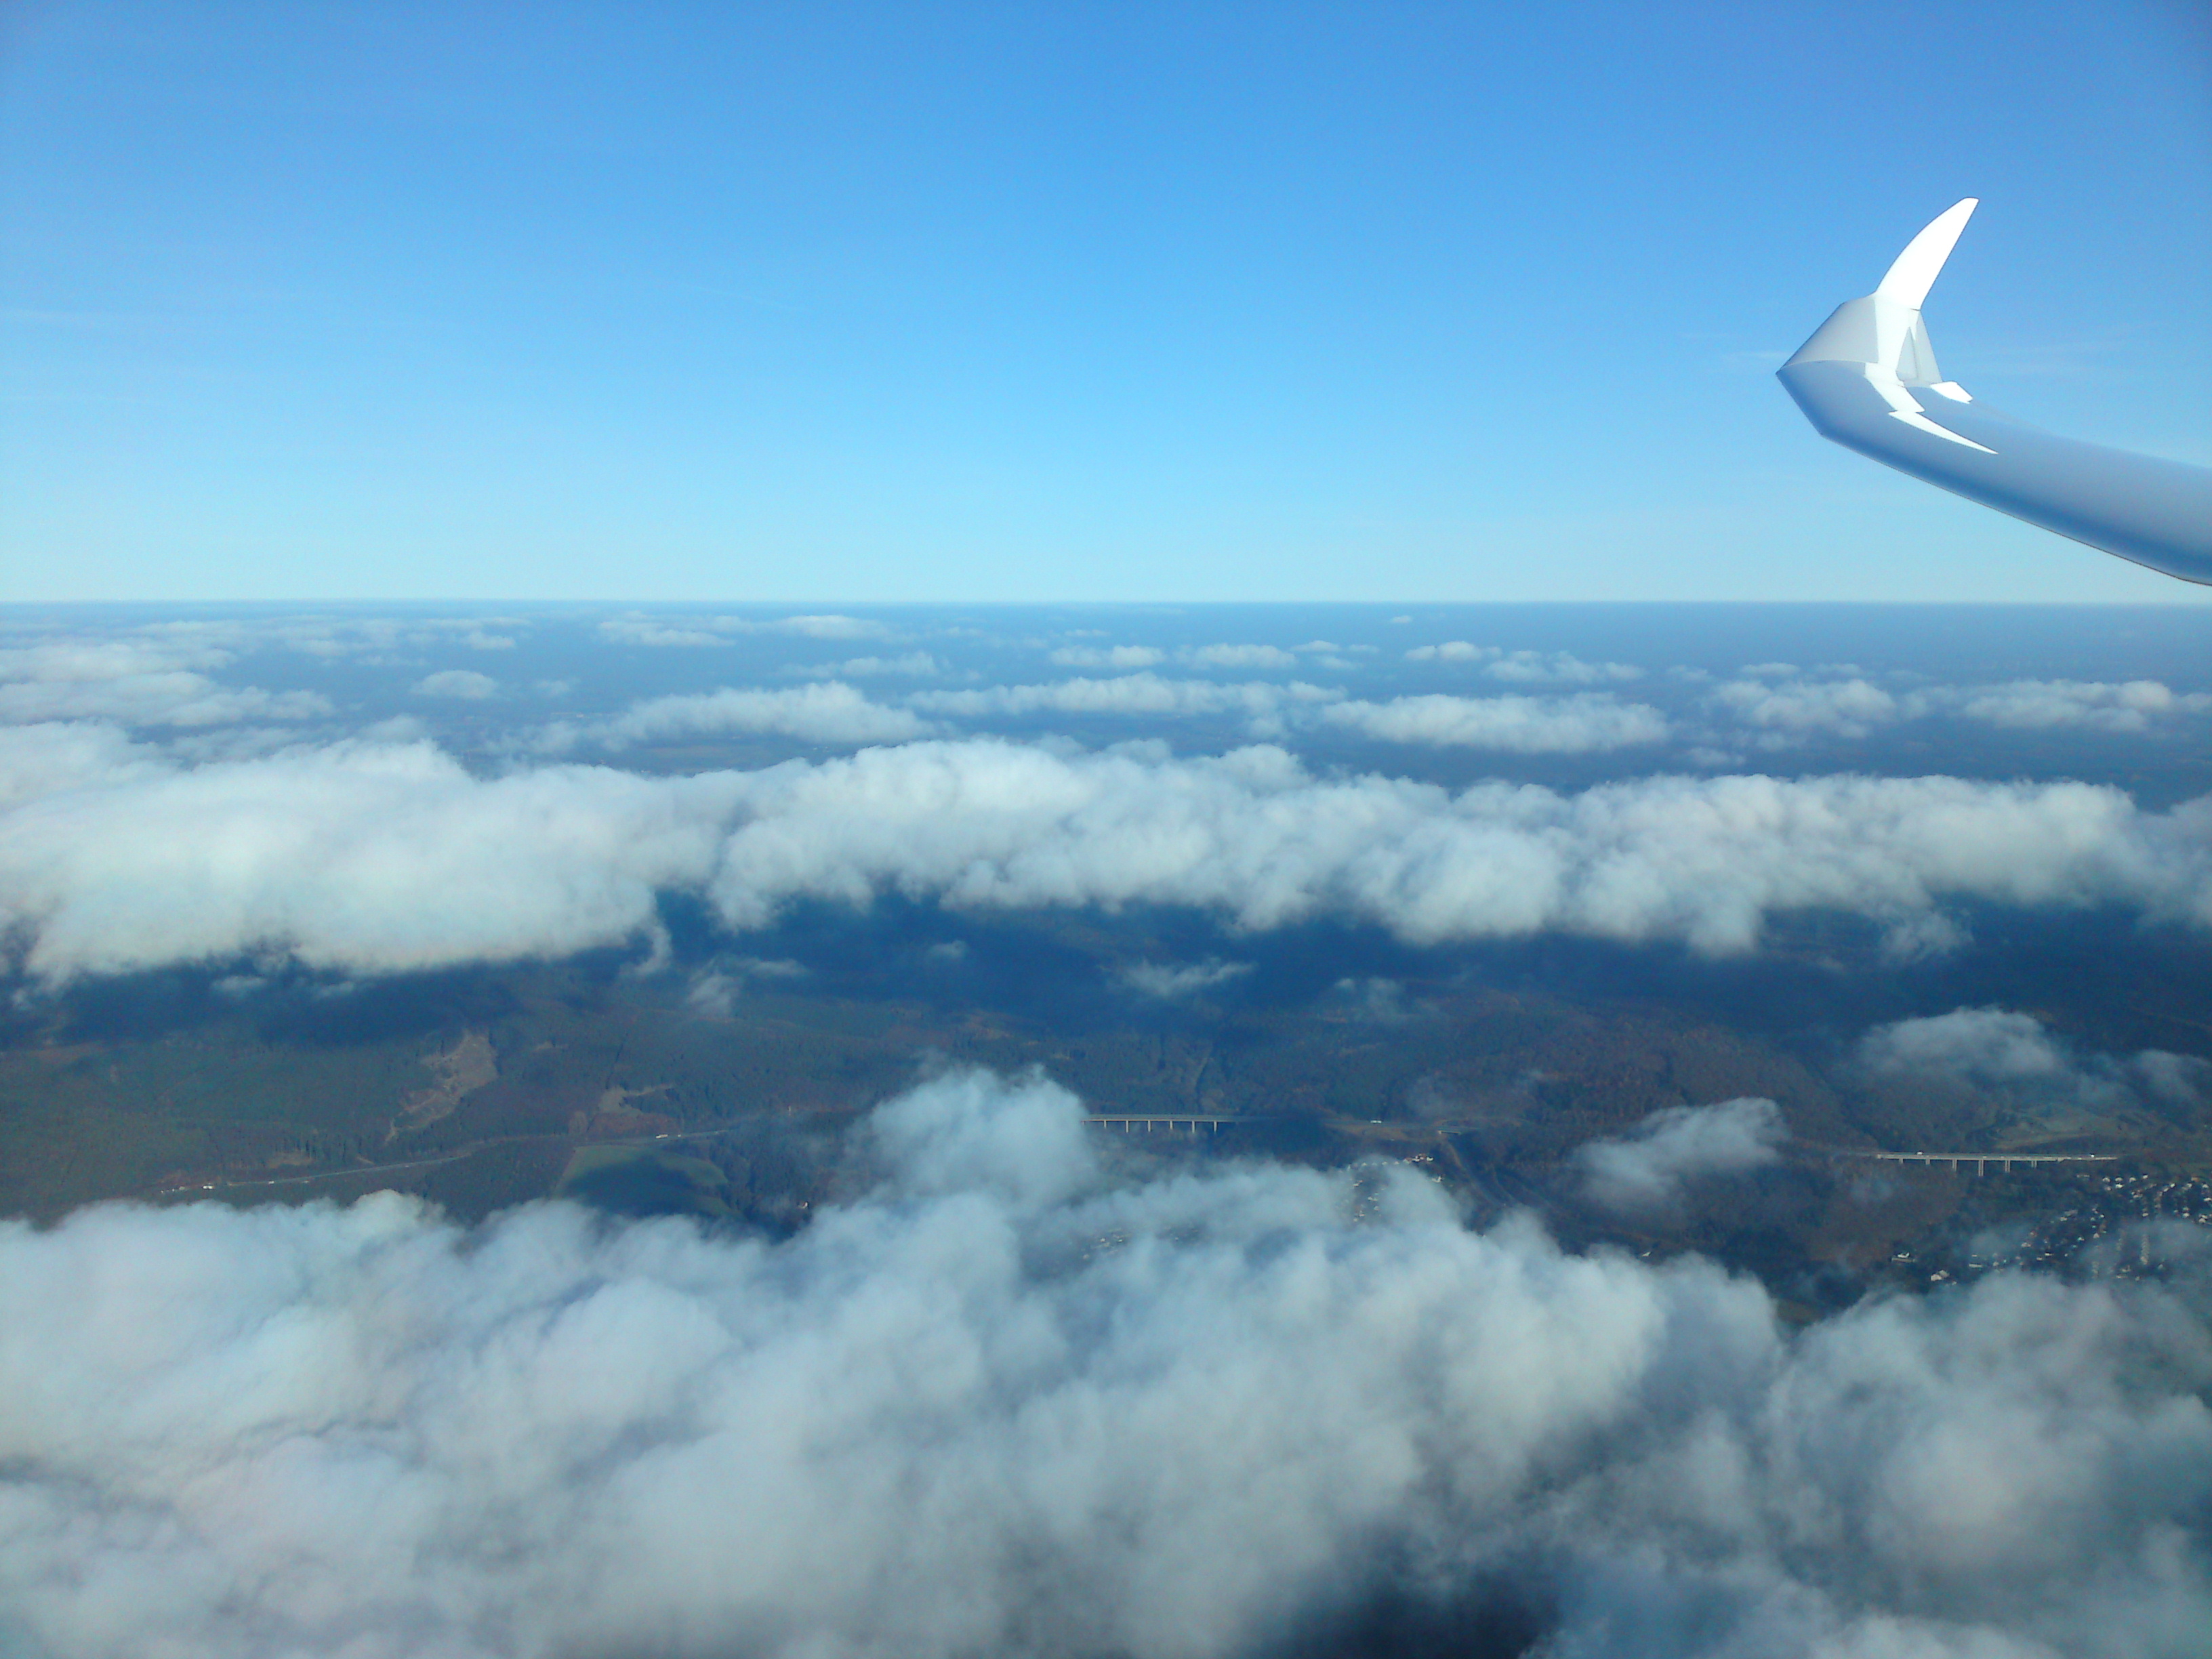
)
(1913, 272)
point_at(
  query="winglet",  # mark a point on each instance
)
(1883, 329)
(1914, 271)
(1861, 379)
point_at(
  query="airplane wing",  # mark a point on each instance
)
(1868, 379)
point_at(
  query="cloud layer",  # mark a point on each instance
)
(183, 679)
(1002, 1404)
(380, 857)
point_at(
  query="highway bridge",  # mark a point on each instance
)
(1979, 1160)
(1173, 1122)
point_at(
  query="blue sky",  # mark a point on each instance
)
(891, 303)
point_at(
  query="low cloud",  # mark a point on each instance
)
(1647, 1170)
(377, 857)
(38, 762)
(1499, 663)
(2008, 1054)
(2043, 705)
(1986, 1045)
(828, 712)
(1450, 651)
(458, 683)
(1170, 980)
(1579, 724)
(79, 661)
(1789, 706)
(1241, 656)
(174, 700)
(715, 991)
(641, 628)
(367, 857)
(137, 682)
(1381, 1000)
(830, 627)
(1110, 656)
(912, 664)
(1793, 707)
(636, 631)
(1562, 666)
(330, 636)
(1126, 694)
(1001, 1402)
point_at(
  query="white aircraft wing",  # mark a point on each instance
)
(1867, 379)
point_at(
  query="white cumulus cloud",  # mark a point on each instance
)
(377, 857)
(57, 759)
(371, 858)
(1787, 706)
(1171, 980)
(641, 628)
(830, 712)
(1557, 666)
(1001, 1402)
(911, 665)
(1124, 695)
(1795, 707)
(1582, 724)
(1450, 650)
(639, 631)
(1646, 1169)
(831, 627)
(1498, 663)
(1242, 656)
(2003, 1051)
(1110, 656)
(2038, 705)
(715, 991)
(464, 683)
(136, 683)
